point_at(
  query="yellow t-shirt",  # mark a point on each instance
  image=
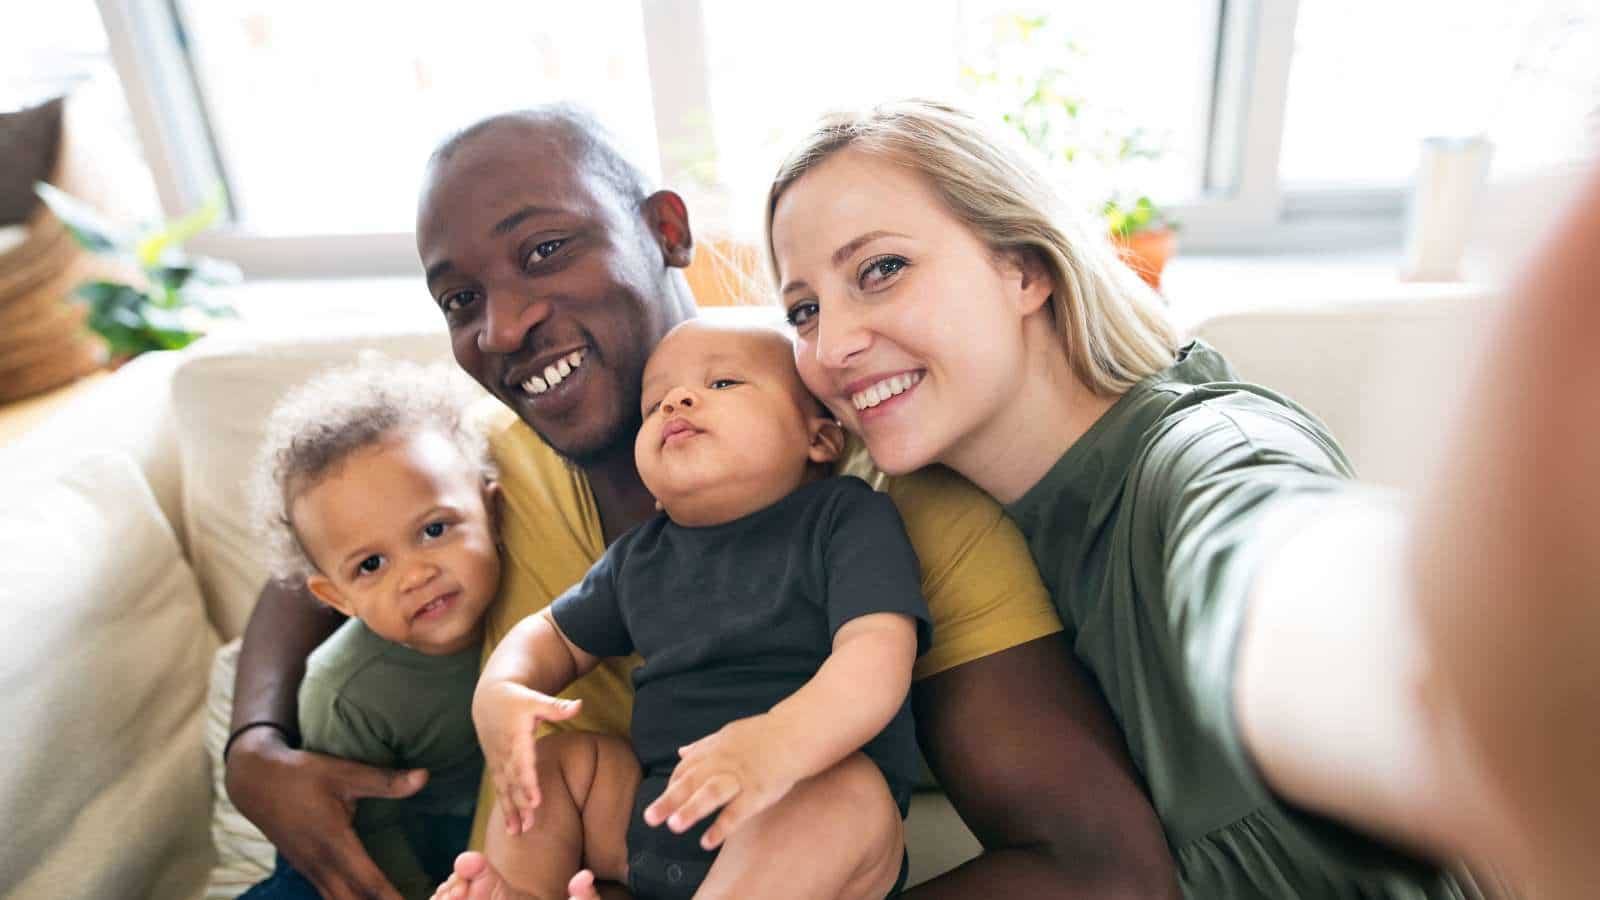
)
(980, 584)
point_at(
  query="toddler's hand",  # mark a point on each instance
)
(740, 769)
(507, 716)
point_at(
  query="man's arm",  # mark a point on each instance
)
(1023, 745)
(302, 802)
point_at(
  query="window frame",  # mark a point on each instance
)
(1242, 207)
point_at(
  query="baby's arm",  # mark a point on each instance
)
(516, 692)
(750, 764)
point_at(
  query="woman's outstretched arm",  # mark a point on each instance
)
(1023, 745)
(1430, 675)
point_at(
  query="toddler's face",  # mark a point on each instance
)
(402, 534)
(728, 427)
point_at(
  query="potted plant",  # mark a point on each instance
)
(158, 308)
(1025, 77)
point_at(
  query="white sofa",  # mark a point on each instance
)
(126, 559)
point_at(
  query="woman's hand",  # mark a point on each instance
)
(303, 803)
(741, 769)
(507, 716)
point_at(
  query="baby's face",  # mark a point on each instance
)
(728, 427)
(402, 534)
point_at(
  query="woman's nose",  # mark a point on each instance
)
(507, 319)
(840, 336)
(677, 400)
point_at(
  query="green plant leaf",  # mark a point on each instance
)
(178, 231)
(96, 233)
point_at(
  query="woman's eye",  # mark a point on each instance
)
(719, 384)
(543, 250)
(802, 313)
(881, 269)
(456, 301)
(369, 565)
(434, 529)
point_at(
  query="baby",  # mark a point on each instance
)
(377, 493)
(778, 612)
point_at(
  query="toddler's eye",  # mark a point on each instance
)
(723, 383)
(369, 565)
(433, 529)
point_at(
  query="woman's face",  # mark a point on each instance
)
(908, 327)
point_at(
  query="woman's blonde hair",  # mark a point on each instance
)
(1114, 327)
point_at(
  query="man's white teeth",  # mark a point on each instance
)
(554, 373)
(883, 390)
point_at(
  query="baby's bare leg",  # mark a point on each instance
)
(586, 785)
(835, 835)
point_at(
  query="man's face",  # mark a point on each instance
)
(553, 289)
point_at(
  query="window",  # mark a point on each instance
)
(1272, 117)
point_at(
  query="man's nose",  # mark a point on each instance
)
(508, 317)
(841, 335)
(677, 399)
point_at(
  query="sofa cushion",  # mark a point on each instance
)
(244, 855)
(223, 392)
(104, 792)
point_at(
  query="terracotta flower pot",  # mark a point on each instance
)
(1147, 252)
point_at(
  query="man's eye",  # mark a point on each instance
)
(434, 529)
(881, 269)
(456, 301)
(543, 250)
(801, 314)
(719, 384)
(369, 565)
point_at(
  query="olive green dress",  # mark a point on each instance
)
(1147, 533)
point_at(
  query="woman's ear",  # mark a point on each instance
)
(668, 218)
(1034, 283)
(827, 440)
(321, 587)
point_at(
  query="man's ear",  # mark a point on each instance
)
(322, 588)
(1034, 282)
(669, 223)
(827, 440)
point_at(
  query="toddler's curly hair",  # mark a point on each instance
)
(320, 423)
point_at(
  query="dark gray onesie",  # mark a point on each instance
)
(731, 619)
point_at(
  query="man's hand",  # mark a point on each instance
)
(739, 769)
(507, 716)
(303, 803)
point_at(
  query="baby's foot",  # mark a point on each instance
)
(581, 887)
(475, 879)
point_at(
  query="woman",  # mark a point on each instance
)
(1230, 587)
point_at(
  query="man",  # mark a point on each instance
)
(541, 241)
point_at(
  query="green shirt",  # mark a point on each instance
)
(1147, 533)
(369, 700)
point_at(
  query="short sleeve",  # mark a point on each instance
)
(870, 566)
(590, 612)
(1220, 485)
(980, 583)
(337, 725)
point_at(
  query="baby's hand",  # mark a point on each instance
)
(740, 769)
(507, 716)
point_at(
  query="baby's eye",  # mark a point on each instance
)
(651, 409)
(719, 384)
(434, 529)
(369, 565)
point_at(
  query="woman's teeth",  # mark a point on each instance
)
(554, 373)
(883, 390)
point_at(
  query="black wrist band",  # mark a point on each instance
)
(259, 723)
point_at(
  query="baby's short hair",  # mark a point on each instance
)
(320, 423)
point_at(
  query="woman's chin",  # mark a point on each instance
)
(895, 458)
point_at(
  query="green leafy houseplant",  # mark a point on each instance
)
(161, 311)
(1029, 77)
